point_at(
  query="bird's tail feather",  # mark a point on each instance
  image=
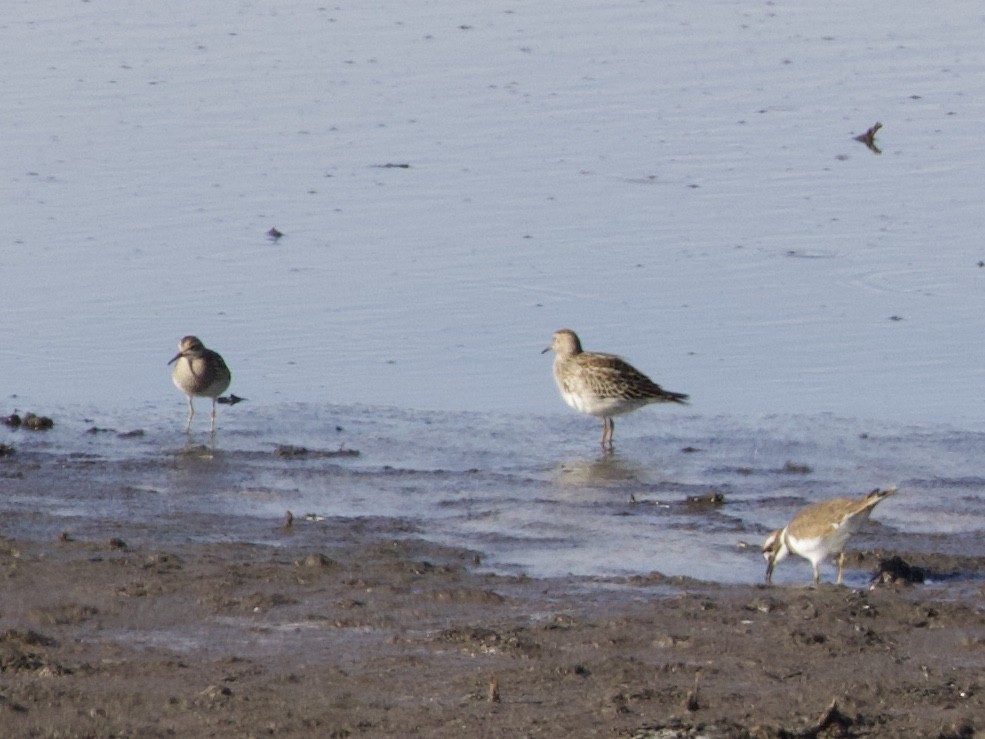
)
(879, 494)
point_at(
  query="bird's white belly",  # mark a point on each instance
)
(817, 548)
(602, 407)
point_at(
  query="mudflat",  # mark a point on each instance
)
(355, 628)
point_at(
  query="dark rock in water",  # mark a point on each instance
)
(6, 450)
(30, 421)
(229, 399)
(895, 570)
(274, 234)
(712, 499)
(869, 138)
(289, 451)
(797, 468)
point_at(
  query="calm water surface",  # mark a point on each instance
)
(678, 183)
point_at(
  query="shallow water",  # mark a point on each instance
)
(678, 183)
(529, 494)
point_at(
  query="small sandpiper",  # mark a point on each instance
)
(602, 385)
(199, 372)
(821, 530)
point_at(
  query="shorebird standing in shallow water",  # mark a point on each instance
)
(602, 385)
(199, 372)
(821, 530)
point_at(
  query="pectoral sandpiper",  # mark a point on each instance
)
(602, 385)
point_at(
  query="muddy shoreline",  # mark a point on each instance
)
(345, 628)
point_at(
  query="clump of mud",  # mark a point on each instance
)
(897, 571)
(29, 421)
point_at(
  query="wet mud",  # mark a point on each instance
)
(350, 628)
